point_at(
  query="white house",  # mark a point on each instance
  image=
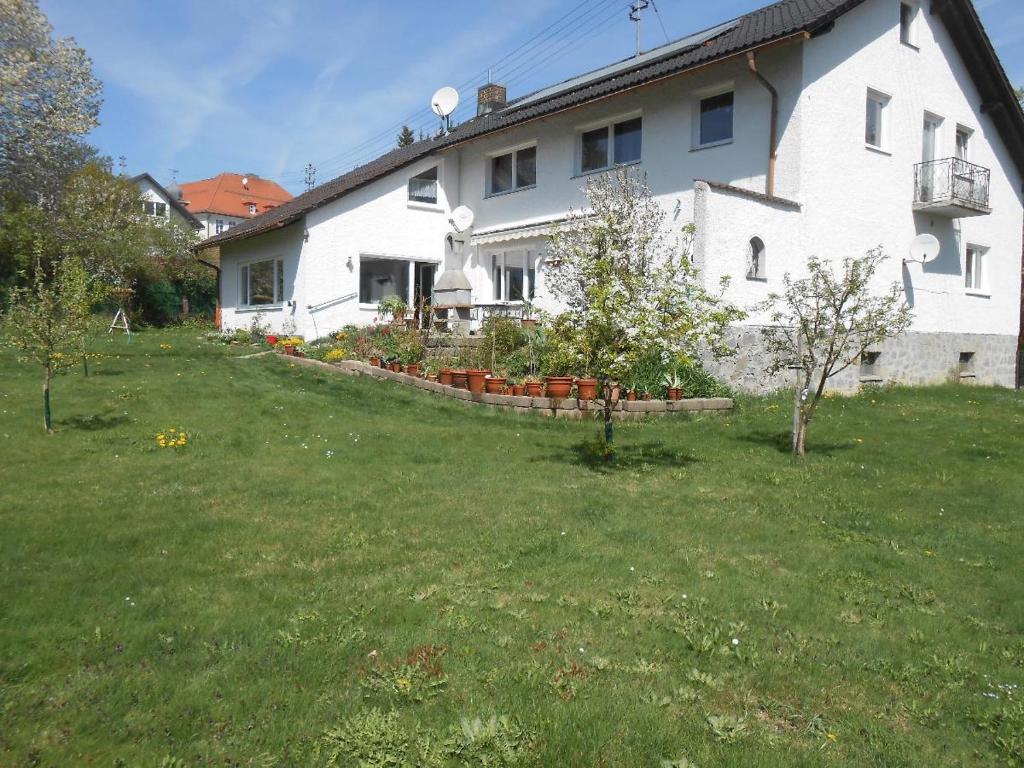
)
(229, 199)
(821, 127)
(161, 203)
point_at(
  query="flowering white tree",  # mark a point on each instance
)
(629, 287)
(823, 323)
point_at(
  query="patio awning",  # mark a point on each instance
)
(505, 234)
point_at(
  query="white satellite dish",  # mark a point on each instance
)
(462, 218)
(444, 101)
(924, 248)
(245, 181)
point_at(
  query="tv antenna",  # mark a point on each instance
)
(443, 103)
(634, 15)
(310, 172)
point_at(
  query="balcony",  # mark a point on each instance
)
(952, 188)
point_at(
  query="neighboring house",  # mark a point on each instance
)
(892, 119)
(227, 200)
(161, 203)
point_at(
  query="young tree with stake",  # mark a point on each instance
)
(823, 323)
(629, 287)
(48, 321)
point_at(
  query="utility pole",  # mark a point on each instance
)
(634, 16)
(310, 176)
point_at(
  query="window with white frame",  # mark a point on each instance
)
(252, 208)
(423, 187)
(876, 119)
(513, 170)
(151, 208)
(908, 23)
(261, 283)
(379, 278)
(974, 268)
(615, 144)
(514, 275)
(219, 226)
(715, 119)
(756, 266)
(963, 142)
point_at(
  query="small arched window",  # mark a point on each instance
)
(756, 266)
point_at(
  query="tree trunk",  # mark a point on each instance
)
(609, 428)
(800, 442)
(47, 421)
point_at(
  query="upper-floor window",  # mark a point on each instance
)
(974, 268)
(715, 119)
(423, 187)
(220, 226)
(616, 144)
(876, 121)
(155, 209)
(513, 170)
(261, 282)
(252, 208)
(963, 143)
(908, 23)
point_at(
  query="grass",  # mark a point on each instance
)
(335, 569)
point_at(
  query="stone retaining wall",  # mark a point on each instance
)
(546, 406)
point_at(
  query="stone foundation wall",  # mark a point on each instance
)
(915, 358)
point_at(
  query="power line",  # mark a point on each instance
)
(660, 20)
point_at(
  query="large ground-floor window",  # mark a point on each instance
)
(261, 282)
(514, 275)
(409, 279)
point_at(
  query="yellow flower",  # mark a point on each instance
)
(832, 737)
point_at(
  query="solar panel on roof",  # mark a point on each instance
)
(664, 51)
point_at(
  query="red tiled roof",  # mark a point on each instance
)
(227, 195)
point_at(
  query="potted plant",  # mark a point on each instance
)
(534, 388)
(460, 379)
(395, 365)
(444, 376)
(375, 361)
(631, 390)
(271, 340)
(475, 379)
(518, 390)
(586, 389)
(495, 385)
(673, 385)
(413, 369)
(528, 320)
(393, 307)
(558, 387)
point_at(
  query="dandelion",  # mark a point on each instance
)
(735, 641)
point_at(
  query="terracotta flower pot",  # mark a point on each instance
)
(494, 385)
(413, 369)
(396, 367)
(271, 340)
(460, 380)
(475, 380)
(518, 390)
(631, 396)
(289, 349)
(534, 388)
(431, 377)
(375, 361)
(587, 389)
(558, 387)
(528, 323)
(647, 395)
(673, 393)
(445, 376)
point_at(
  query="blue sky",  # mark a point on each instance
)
(266, 86)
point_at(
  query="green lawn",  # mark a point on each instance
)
(342, 569)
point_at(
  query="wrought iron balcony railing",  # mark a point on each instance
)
(952, 184)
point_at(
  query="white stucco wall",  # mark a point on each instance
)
(856, 197)
(209, 222)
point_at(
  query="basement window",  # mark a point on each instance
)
(261, 283)
(965, 365)
(870, 370)
(423, 187)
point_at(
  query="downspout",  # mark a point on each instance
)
(773, 132)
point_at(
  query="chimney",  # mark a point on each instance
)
(489, 98)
